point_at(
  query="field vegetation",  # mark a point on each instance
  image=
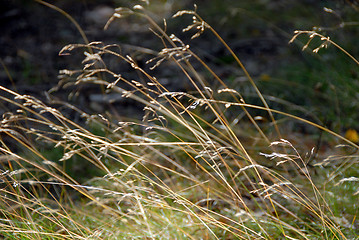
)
(187, 143)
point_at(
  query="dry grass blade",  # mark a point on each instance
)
(186, 170)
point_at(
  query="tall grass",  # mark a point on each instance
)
(198, 165)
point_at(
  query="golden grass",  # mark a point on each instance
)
(185, 171)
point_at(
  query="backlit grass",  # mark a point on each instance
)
(208, 163)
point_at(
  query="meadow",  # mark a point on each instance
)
(181, 143)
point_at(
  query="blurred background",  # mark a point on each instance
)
(320, 87)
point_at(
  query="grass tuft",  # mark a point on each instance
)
(206, 162)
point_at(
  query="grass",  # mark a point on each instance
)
(201, 164)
